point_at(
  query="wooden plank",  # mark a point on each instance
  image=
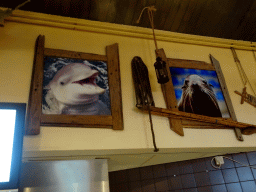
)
(137, 10)
(75, 10)
(163, 7)
(74, 55)
(191, 25)
(115, 86)
(144, 19)
(122, 7)
(51, 7)
(201, 118)
(179, 16)
(170, 98)
(201, 125)
(190, 64)
(128, 19)
(34, 109)
(76, 120)
(192, 7)
(65, 7)
(112, 11)
(238, 10)
(226, 95)
(85, 9)
(206, 20)
(99, 10)
(242, 32)
(171, 15)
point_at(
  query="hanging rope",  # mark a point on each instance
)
(148, 104)
(151, 19)
(242, 73)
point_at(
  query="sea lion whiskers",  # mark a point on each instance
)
(198, 97)
(212, 96)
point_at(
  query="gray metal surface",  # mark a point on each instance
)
(65, 176)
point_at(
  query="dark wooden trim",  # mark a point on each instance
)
(170, 98)
(115, 88)
(34, 109)
(226, 95)
(35, 118)
(226, 122)
(76, 120)
(74, 55)
(190, 64)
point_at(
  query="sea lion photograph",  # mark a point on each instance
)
(198, 97)
(74, 87)
(198, 91)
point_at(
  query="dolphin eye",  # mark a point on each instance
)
(205, 82)
(62, 83)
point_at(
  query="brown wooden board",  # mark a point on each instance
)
(35, 97)
(171, 101)
(226, 95)
(191, 64)
(75, 55)
(115, 88)
(45, 109)
(169, 96)
(227, 122)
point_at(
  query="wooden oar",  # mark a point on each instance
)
(247, 128)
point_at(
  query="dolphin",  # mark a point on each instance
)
(73, 90)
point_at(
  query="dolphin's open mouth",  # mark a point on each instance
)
(90, 80)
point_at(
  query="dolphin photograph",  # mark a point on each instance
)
(199, 92)
(75, 87)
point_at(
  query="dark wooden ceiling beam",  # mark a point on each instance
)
(171, 15)
(122, 7)
(191, 25)
(209, 17)
(144, 21)
(229, 24)
(99, 10)
(112, 9)
(216, 18)
(190, 13)
(163, 7)
(128, 19)
(179, 16)
(245, 29)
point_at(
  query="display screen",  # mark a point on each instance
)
(7, 127)
(12, 118)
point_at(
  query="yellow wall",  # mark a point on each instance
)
(17, 41)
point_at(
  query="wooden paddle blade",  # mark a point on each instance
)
(141, 83)
(249, 131)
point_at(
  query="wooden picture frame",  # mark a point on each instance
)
(168, 90)
(35, 116)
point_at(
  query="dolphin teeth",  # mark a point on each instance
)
(89, 80)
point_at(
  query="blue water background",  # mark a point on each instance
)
(52, 65)
(179, 75)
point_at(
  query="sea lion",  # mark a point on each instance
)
(73, 90)
(198, 97)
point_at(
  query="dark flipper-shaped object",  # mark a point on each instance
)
(143, 91)
(141, 82)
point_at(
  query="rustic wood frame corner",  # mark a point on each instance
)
(35, 118)
(177, 124)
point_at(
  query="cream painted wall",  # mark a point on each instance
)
(16, 59)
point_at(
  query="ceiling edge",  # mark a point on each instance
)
(41, 19)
